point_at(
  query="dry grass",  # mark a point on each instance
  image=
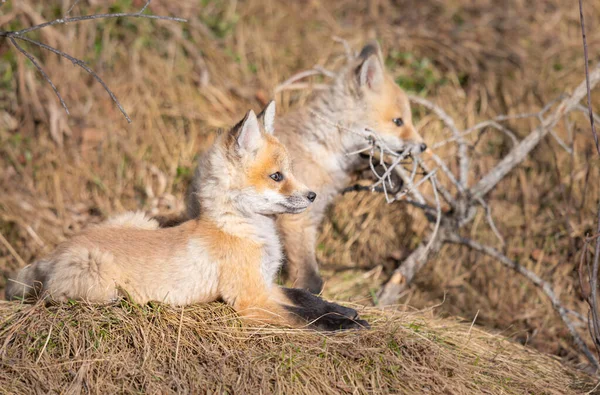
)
(180, 82)
(126, 348)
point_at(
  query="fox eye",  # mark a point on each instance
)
(398, 121)
(277, 176)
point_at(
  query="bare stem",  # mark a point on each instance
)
(19, 35)
(37, 66)
(543, 285)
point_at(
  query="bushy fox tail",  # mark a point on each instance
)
(26, 285)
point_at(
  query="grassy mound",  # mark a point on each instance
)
(159, 349)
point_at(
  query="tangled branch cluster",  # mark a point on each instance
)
(463, 198)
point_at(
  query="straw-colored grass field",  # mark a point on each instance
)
(181, 82)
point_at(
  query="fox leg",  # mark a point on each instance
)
(299, 237)
(257, 303)
(304, 298)
(316, 312)
(241, 285)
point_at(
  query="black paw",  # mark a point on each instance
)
(344, 311)
(334, 323)
(313, 306)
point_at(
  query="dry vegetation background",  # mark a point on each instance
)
(180, 82)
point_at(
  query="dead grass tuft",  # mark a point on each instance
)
(128, 348)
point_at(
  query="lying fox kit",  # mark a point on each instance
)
(363, 99)
(231, 251)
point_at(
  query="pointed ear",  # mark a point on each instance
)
(371, 48)
(370, 72)
(267, 117)
(248, 136)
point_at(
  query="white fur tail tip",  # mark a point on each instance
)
(132, 219)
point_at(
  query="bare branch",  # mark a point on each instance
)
(520, 152)
(37, 66)
(560, 142)
(71, 8)
(66, 20)
(543, 285)
(592, 293)
(399, 170)
(463, 158)
(438, 161)
(19, 35)
(144, 7)
(441, 189)
(81, 64)
(297, 77)
(479, 126)
(438, 218)
(350, 55)
(325, 72)
(409, 267)
(587, 77)
(406, 191)
(490, 220)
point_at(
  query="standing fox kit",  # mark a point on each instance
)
(363, 98)
(231, 251)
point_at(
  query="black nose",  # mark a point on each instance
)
(423, 147)
(311, 196)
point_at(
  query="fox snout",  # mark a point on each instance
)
(414, 148)
(298, 202)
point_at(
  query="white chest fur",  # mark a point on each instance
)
(272, 256)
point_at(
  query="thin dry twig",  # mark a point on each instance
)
(297, 77)
(520, 152)
(45, 345)
(37, 66)
(463, 158)
(19, 35)
(438, 219)
(590, 288)
(543, 285)
(73, 6)
(350, 55)
(179, 333)
(587, 77)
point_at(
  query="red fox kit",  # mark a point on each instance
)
(318, 137)
(231, 251)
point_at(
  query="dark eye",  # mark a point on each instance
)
(277, 176)
(398, 121)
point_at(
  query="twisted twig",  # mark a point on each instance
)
(19, 35)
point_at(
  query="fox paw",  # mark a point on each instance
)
(334, 323)
(344, 311)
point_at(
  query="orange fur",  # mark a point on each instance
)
(229, 252)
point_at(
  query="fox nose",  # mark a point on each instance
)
(311, 196)
(423, 147)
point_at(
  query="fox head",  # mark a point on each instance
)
(383, 106)
(253, 170)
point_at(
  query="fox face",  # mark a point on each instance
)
(262, 173)
(386, 106)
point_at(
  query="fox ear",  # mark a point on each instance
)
(370, 72)
(267, 117)
(371, 48)
(248, 137)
